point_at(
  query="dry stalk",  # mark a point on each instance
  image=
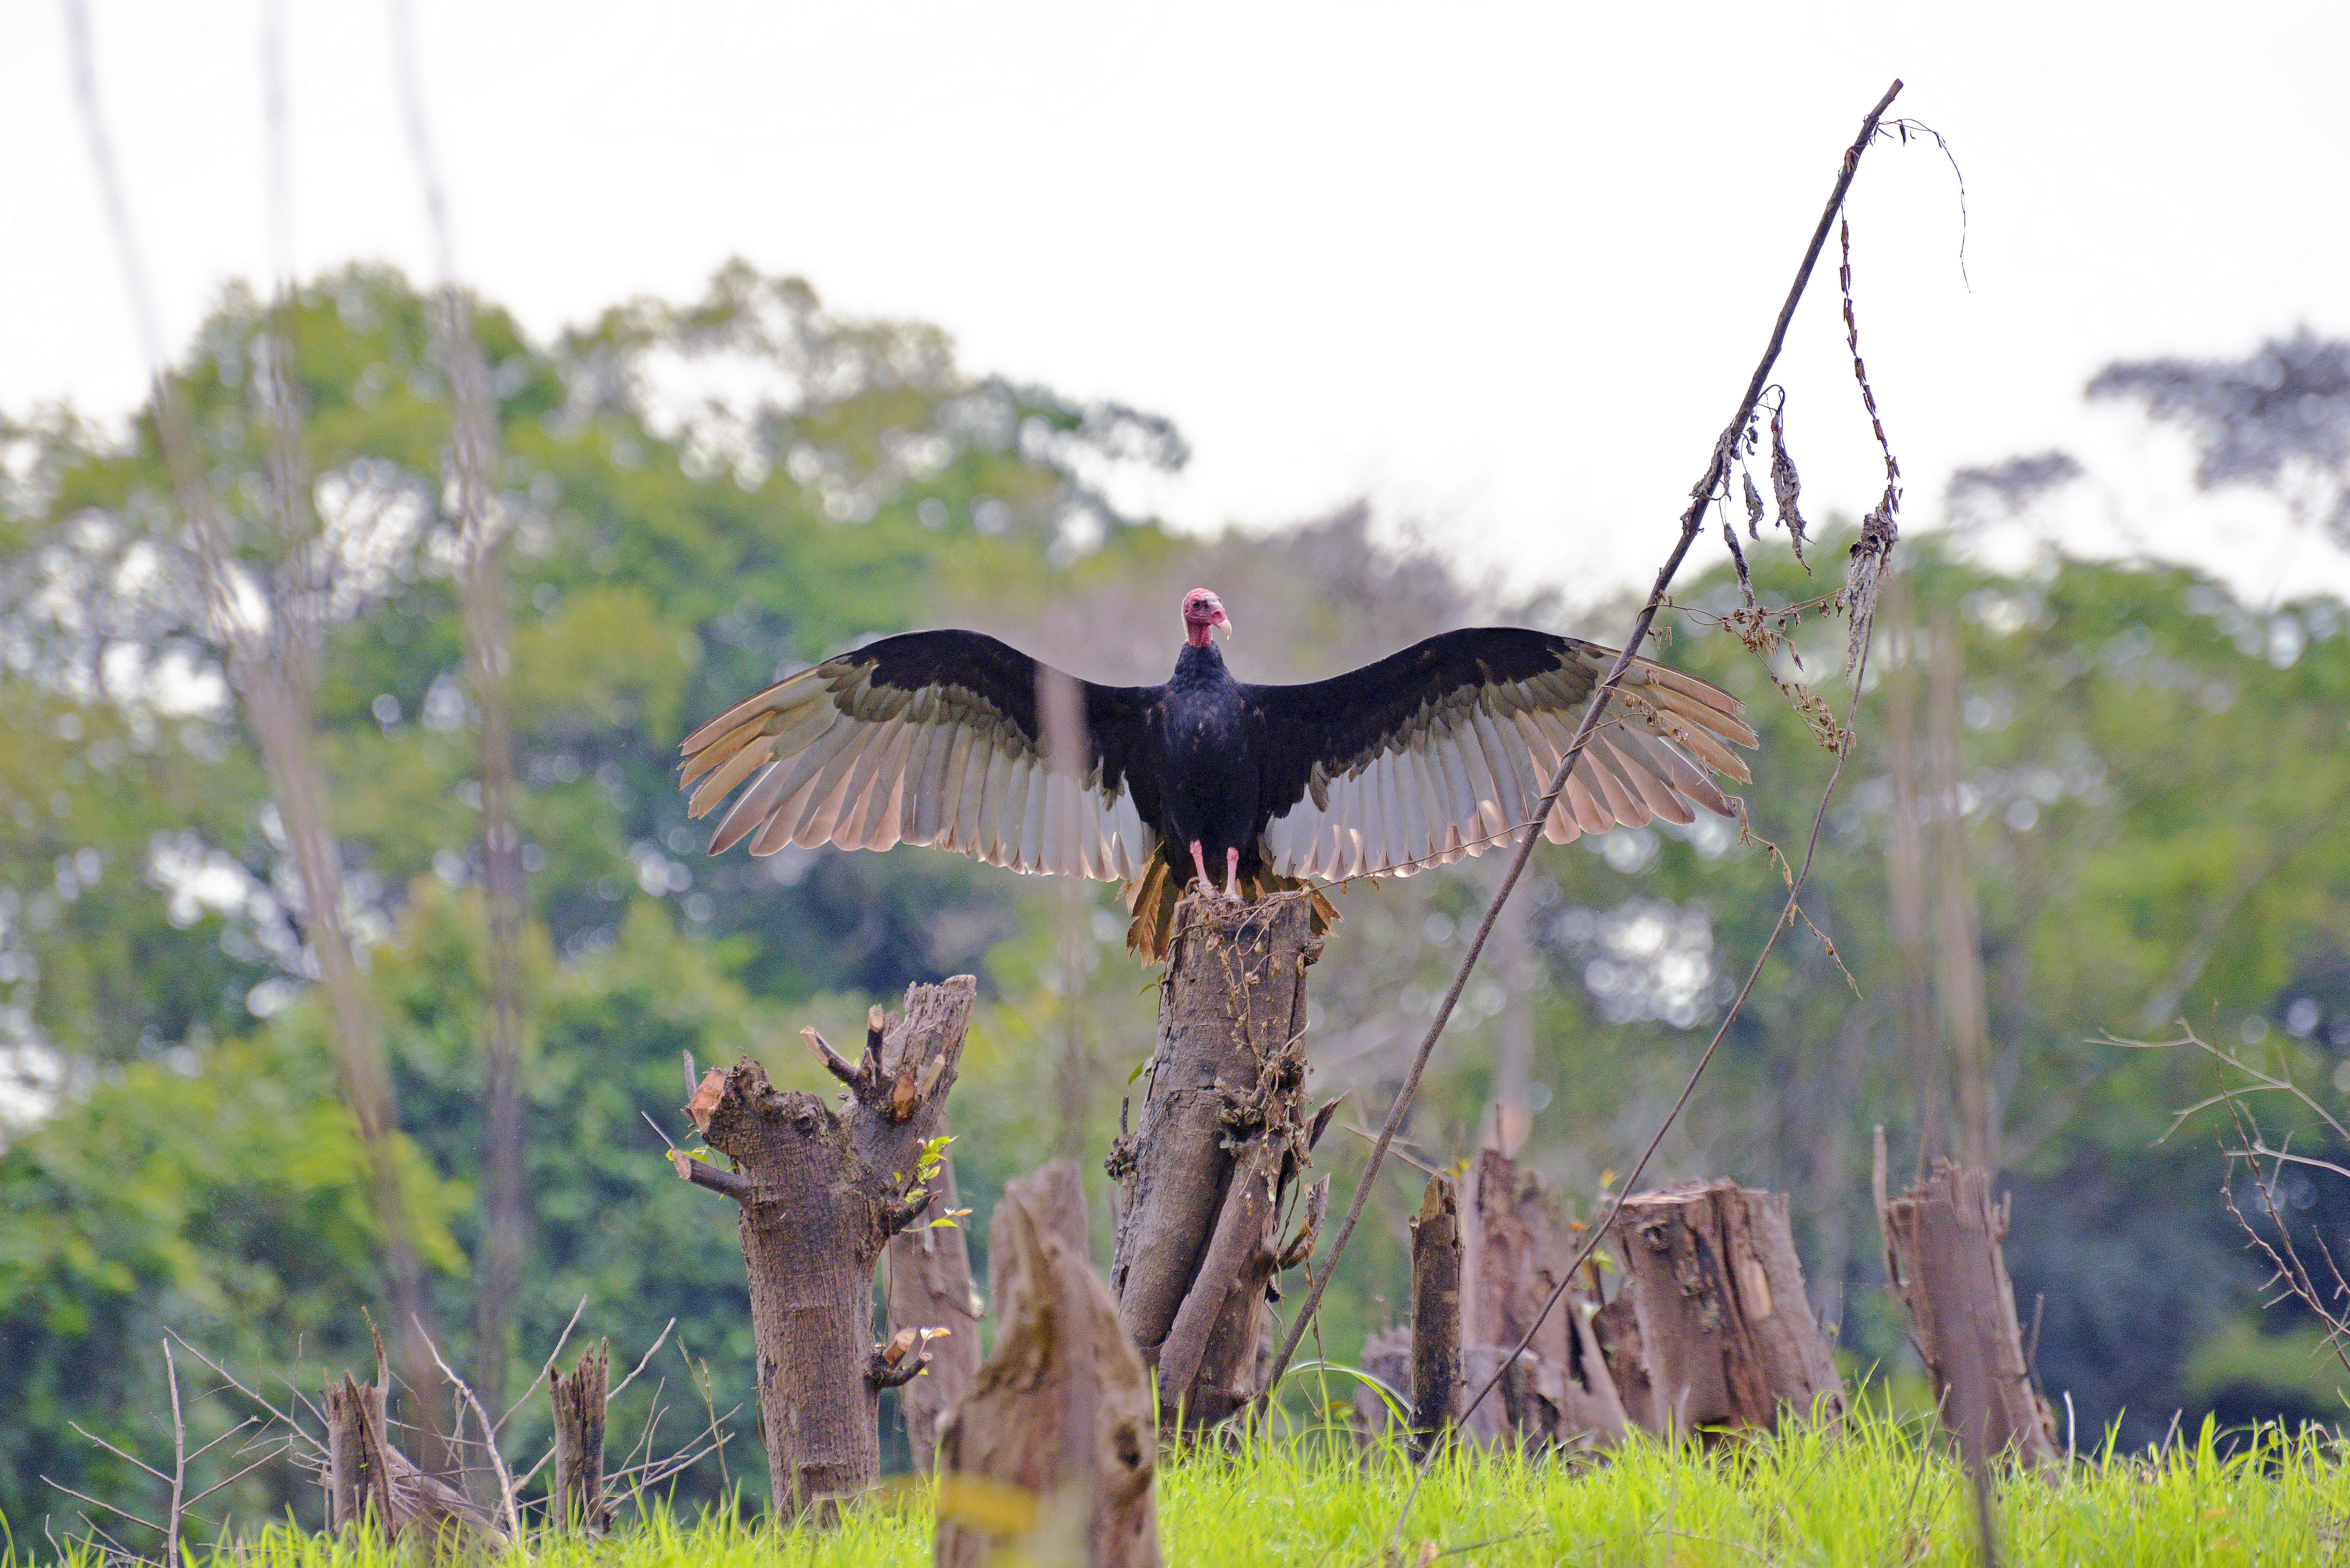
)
(489, 663)
(1713, 483)
(272, 659)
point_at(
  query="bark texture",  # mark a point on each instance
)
(931, 1288)
(1616, 1327)
(578, 1400)
(1942, 1256)
(1517, 1244)
(1435, 1310)
(821, 1193)
(1053, 1458)
(1725, 1329)
(1222, 1139)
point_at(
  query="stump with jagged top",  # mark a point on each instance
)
(822, 1192)
(1943, 1260)
(1221, 1145)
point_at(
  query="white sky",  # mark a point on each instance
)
(1502, 268)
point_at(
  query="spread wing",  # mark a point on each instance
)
(933, 737)
(1433, 753)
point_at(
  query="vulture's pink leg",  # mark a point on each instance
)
(1233, 874)
(1200, 864)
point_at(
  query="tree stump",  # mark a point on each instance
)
(821, 1193)
(577, 1493)
(1517, 1244)
(1725, 1328)
(929, 1288)
(1943, 1260)
(372, 1486)
(1053, 1457)
(1435, 1311)
(1223, 1140)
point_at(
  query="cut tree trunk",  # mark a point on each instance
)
(1435, 1311)
(1725, 1328)
(1517, 1244)
(1053, 1457)
(821, 1193)
(931, 1288)
(1222, 1139)
(1943, 1260)
(578, 1400)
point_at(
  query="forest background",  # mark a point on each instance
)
(2130, 787)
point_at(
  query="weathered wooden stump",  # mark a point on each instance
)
(1053, 1456)
(1517, 1245)
(1435, 1311)
(1726, 1331)
(929, 1288)
(1943, 1260)
(578, 1397)
(1222, 1139)
(372, 1486)
(821, 1194)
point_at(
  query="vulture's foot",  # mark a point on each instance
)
(1206, 883)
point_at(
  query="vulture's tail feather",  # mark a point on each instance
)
(1154, 895)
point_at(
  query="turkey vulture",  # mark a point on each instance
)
(950, 737)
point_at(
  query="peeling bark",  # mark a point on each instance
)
(1053, 1458)
(822, 1192)
(1725, 1328)
(1224, 1138)
(1943, 1260)
(578, 1397)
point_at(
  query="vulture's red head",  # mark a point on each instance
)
(1203, 611)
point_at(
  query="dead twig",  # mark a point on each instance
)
(1692, 522)
(507, 1501)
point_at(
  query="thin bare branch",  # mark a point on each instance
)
(269, 1458)
(291, 1424)
(84, 1497)
(546, 1368)
(1692, 522)
(642, 1362)
(87, 1436)
(498, 1461)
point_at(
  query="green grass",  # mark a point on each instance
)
(1870, 1493)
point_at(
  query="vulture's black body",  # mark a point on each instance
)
(939, 737)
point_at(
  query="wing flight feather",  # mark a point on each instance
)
(1446, 747)
(927, 738)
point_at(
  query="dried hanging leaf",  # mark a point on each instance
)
(1786, 482)
(1738, 558)
(1872, 556)
(1754, 505)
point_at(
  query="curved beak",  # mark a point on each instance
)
(1226, 622)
